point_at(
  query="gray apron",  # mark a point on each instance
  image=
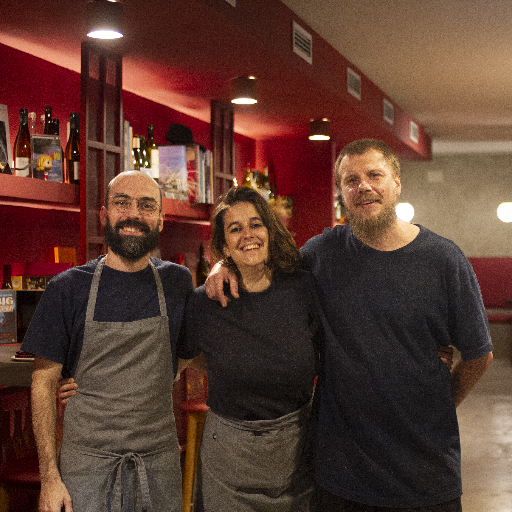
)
(120, 448)
(254, 466)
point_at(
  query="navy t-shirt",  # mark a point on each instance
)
(57, 327)
(387, 427)
(262, 350)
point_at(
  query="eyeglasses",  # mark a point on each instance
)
(146, 206)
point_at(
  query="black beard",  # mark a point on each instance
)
(131, 248)
(370, 230)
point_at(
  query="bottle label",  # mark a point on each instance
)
(22, 167)
(76, 171)
(155, 164)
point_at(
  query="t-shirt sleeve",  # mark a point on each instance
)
(48, 334)
(469, 326)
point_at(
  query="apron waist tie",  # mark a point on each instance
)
(114, 483)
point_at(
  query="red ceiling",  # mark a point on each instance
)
(183, 53)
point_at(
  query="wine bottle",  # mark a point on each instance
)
(136, 153)
(203, 267)
(247, 182)
(55, 127)
(255, 179)
(6, 279)
(48, 125)
(144, 160)
(32, 123)
(72, 171)
(266, 192)
(22, 153)
(153, 154)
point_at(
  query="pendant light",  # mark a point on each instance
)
(105, 19)
(244, 90)
(319, 129)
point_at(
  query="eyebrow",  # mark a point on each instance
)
(238, 222)
(120, 194)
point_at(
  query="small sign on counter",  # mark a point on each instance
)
(7, 316)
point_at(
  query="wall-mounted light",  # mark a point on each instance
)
(105, 19)
(319, 129)
(244, 90)
(505, 212)
(404, 211)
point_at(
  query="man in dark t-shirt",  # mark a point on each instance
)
(391, 293)
(113, 325)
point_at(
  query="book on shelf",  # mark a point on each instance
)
(8, 322)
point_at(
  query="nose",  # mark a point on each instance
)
(364, 185)
(133, 210)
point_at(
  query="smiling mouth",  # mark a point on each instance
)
(130, 231)
(250, 247)
(368, 202)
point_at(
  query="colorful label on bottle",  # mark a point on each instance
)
(76, 171)
(22, 165)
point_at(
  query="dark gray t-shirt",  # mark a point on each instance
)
(387, 427)
(57, 327)
(262, 351)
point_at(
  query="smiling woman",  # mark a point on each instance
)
(261, 353)
(247, 245)
(282, 252)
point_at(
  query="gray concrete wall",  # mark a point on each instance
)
(457, 195)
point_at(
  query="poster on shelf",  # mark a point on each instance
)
(7, 316)
(5, 140)
(173, 171)
(46, 157)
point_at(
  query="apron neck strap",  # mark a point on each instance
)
(91, 304)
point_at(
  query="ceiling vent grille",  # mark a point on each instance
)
(414, 132)
(302, 43)
(353, 83)
(388, 111)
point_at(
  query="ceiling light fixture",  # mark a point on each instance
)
(505, 212)
(319, 129)
(105, 19)
(244, 90)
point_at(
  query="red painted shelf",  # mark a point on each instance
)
(184, 211)
(33, 192)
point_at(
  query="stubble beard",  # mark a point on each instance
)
(374, 228)
(131, 247)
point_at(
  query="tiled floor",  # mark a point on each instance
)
(485, 420)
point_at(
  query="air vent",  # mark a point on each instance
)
(354, 83)
(414, 132)
(388, 111)
(302, 43)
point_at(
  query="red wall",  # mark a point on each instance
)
(29, 234)
(304, 171)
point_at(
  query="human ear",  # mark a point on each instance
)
(103, 215)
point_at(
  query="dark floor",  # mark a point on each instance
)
(485, 420)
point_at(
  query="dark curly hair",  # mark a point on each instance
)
(283, 253)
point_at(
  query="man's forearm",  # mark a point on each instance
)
(44, 414)
(465, 375)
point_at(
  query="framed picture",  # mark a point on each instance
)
(5, 139)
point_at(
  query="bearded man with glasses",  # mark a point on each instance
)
(113, 325)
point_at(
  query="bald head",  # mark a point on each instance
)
(134, 179)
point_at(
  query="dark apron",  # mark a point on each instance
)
(120, 448)
(254, 466)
